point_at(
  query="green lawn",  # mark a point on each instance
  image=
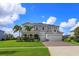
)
(13, 48)
(74, 42)
(71, 41)
(24, 52)
(13, 43)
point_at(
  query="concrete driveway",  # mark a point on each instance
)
(60, 48)
(56, 43)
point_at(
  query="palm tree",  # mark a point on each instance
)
(17, 28)
(28, 28)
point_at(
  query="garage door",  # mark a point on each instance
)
(53, 37)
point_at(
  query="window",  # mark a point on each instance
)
(54, 30)
(36, 28)
(43, 28)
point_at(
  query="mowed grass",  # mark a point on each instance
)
(74, 43)
(24, 52)
(13, 43)
(13, 48)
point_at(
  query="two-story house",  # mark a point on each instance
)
(45, 31)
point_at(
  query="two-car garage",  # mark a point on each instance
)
(50, 36)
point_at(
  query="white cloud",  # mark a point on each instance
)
(75, 26)
(51, 20)
(9, 31)
(61, 29)
(63, 24)
(71, 22)
(9, 12)
(67, 25)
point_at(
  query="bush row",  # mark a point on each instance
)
(69, 39)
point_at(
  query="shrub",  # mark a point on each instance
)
(76, 39)
(36, 40)
(67, 40)
(2, 39)
(26, 39)
(65, 37)
(36, 36)
(30, 38)
(72, 38)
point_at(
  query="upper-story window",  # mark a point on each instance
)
(42, 28)
(54, 27)
(36, 28)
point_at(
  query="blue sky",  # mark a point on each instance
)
(66, 14)
(62, 11)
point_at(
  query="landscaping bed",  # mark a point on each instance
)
(72, 41)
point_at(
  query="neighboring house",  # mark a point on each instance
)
(2, 35)
(45, 31)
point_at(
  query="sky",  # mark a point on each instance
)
(64, 15)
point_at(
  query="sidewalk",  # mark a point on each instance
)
(64, 51)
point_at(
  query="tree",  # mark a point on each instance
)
(18, 28)
(28, 28)
(76, 32)
(9, 37)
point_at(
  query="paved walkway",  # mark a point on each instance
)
(64, 51)
(59, 48)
